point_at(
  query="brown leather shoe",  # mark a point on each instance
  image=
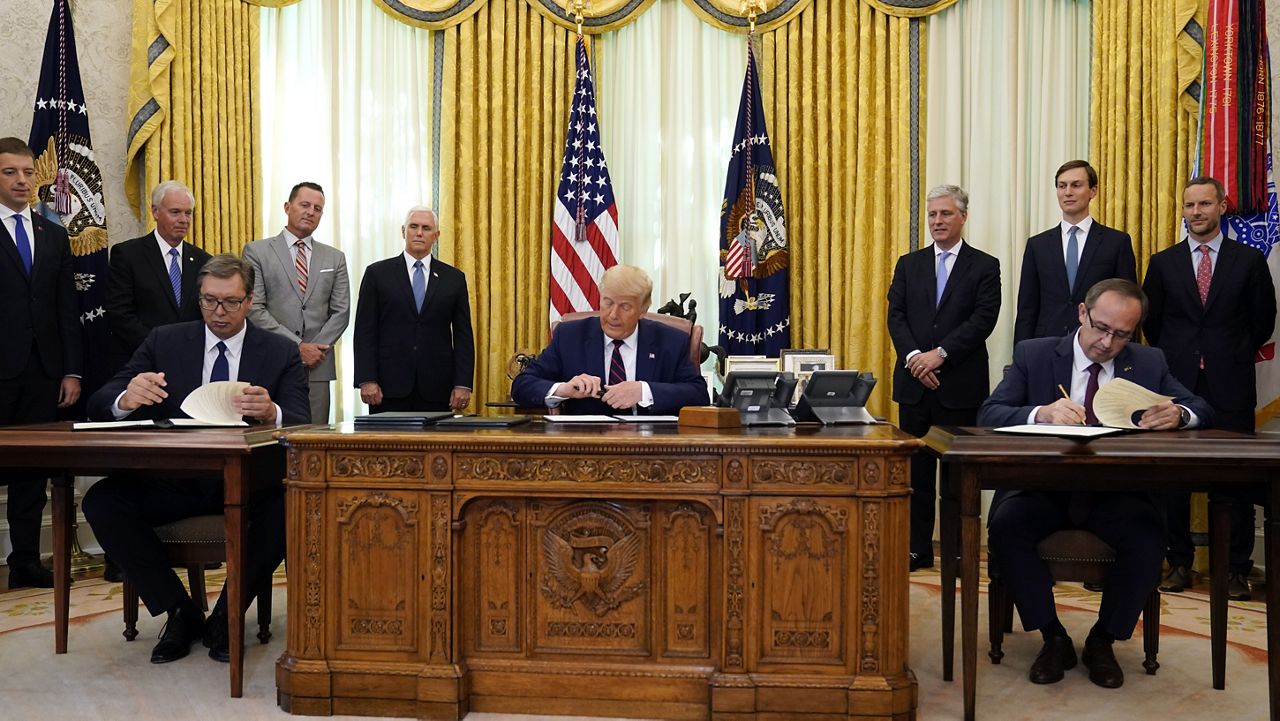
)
(1104, 670)
(1056, 656)
(1177, 580)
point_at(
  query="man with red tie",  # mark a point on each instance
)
(1212, 306)
(619, 362)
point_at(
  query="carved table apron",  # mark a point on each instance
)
(605, 570)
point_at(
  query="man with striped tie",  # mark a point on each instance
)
(152, 279)
(618, 362)
(302, 291)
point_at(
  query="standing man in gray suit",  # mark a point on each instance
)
(302, 292)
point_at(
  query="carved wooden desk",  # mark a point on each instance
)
(241, 456)
(978, 458)
(605, 570)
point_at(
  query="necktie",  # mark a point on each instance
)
(1078, 505)
(221, 371)
(419, 284)
(617, 369)
(1073, 257)
(1204, 273)
(300, 262)
(23, 243)
(942, 276)
(175, 276)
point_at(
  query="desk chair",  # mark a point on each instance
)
(1072, 555)
(192, 543)
(684, 325)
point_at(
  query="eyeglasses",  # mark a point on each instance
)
(1124, 336)
(230, 305)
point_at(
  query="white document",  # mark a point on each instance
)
(579, 419)
(648, 419)
(210, 404)
(1065, 431)
(1115, 403)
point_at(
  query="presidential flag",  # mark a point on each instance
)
(1262, 231)
(584, 236)
(69, 184)
(755, 309)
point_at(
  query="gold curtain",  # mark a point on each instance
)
(836, 89)
(192, 113)
(1143, 121)
(508, 78)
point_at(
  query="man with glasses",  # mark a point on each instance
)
(1033, 392)
(172, 362)
(1212, 306)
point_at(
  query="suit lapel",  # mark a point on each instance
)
(43, 258)
(1057, 259)
(1227, 258)
(1091, 243)
(190, 272)
(433, 284)
(250, 357)
(1123, 365)
(160, 270)
(1184, 273)
(646, 361)
(1062, 362)
(595, 350)
(280, 247)
(10, 250)
(191, 364)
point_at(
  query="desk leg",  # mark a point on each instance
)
(1271, 555)
(970, 504)
(949, 539)
(234, 497)
(1219, 563)
(62, 522)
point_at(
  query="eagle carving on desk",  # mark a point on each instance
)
(593, 569)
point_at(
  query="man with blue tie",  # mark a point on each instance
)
(620, 361)
(943, 303)
(40, 357)
(172, 362)
(414, 348)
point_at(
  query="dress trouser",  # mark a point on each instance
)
(31, 397)
(1128, 522)
(124, 510)
(916, 418)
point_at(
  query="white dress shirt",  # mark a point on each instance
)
(292, 241)
(1081, 235)
(409, 260)
(6, 216)
(164, 247)
(1215, 246)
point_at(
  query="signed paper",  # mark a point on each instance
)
(1116, 403)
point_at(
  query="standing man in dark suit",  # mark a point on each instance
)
(1212, 306)
(1098, 352)
(1061, 263)
(152, 279)
(618, 362)
(943, 304)
(40, 356)
(414, 346)
(173, 361)
(302, 291)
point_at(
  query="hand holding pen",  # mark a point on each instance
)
(1063, 412)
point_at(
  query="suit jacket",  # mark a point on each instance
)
(139, 295)
(1041, 365)
(1226, 331)
(177, 350)
(40, 309)
(320, 315)
(662, 360)
(399, 347)
(960, 323)
(1046, 306)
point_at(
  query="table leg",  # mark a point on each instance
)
(1271, 555)
(234, 497)
(62, 522)
(1219, 562)
(949, 539)
(969, 528)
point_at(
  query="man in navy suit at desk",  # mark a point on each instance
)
(1032, 392)
(173, 361)
(616, 363)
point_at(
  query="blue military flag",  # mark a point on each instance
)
(69, 183)
(755, 309)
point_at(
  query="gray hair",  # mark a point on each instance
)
(955, 192)
(226, 265)
(422, 209)
(163, 189)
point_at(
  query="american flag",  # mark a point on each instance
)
(584, 238)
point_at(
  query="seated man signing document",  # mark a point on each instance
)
(618, 362)
(1032, 392)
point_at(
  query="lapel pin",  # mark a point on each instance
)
(1128, 369)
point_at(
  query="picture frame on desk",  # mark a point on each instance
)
(750, 363)
(802, 364)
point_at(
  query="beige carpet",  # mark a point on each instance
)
(103, 677)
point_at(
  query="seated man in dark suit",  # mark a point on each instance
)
(173, 361)
(1129, 522)
(619, 362)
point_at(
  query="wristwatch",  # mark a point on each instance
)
(942, 353)
(1184, 418)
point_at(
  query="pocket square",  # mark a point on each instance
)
(326, 270)
(652, 355)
